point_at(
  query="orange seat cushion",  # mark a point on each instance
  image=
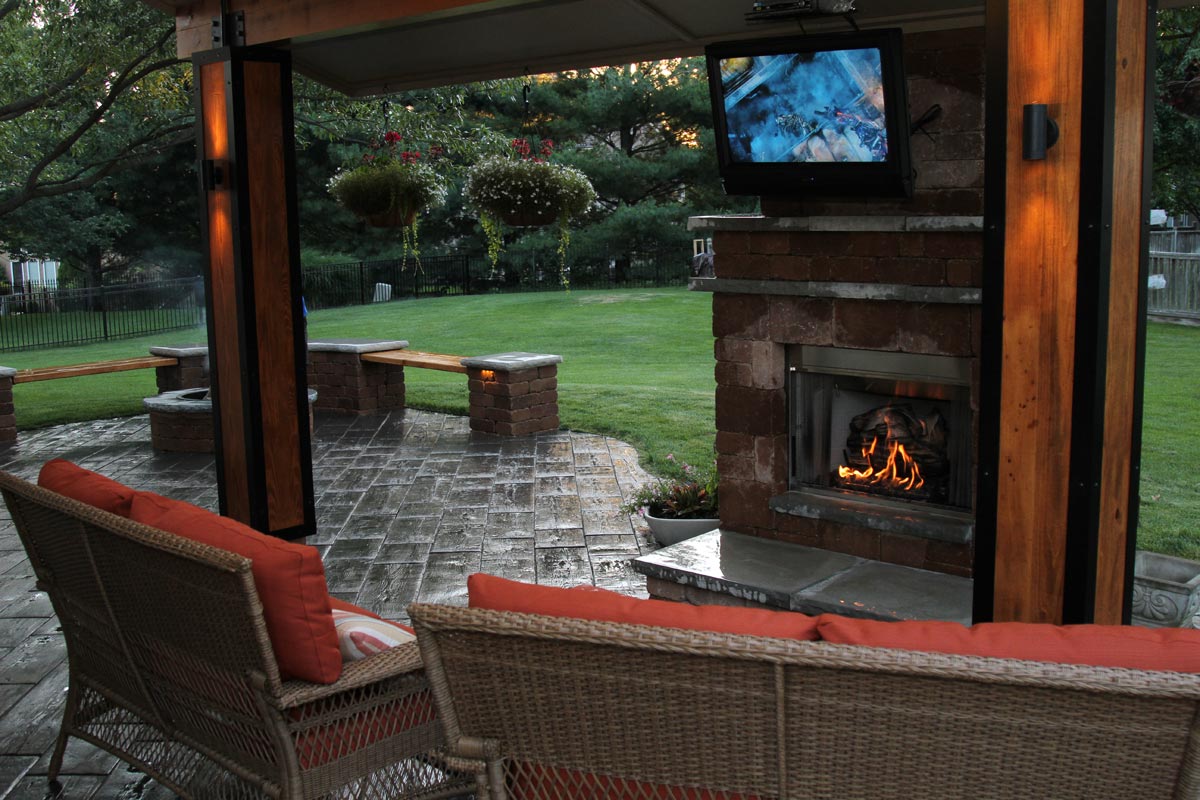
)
(77, 483)
(289, 577)
(1162, 649)
(588, 602)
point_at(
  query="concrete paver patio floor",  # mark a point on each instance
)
(408, 505)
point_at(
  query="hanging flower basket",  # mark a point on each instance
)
(401, 217)
(526, 191)
(388, 195)
(528, 218)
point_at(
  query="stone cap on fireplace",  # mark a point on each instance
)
(858, 224)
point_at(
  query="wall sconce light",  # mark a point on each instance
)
(1040, 132)
(215, 174)
(487, 375)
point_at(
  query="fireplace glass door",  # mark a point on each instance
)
(888, 425)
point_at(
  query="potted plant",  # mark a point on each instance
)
(524, 190)
(389, 187)
(678, 506)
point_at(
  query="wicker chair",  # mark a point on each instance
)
(171, 670)
(553, 708)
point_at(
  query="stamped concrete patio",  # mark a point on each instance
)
(408, 505)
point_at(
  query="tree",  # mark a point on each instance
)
(643, 134)
(1176, 179)
(88, 92)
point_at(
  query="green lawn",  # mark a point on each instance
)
(1170, 510)
(637, 365)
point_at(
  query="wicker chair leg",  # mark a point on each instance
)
(60, 746)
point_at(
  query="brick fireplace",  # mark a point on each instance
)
(887, 288)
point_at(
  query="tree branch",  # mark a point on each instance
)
(26, 104)
(129, 76)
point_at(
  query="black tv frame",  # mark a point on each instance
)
(890, 178)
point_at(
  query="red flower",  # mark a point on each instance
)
(547, 147)
(437, 151)
(391, 137)
(367, 157)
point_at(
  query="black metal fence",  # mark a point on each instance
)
(55, 317)
(362, 282)
(49, 317)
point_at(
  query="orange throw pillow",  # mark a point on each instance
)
(1162, 649)
(588, 602)
(289, 577)
(77, 483)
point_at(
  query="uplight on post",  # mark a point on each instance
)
(487, 375)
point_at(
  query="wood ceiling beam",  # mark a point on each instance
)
(276, 21)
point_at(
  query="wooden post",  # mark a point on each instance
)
(255, 327)
(1064, 281)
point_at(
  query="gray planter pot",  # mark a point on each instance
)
(1166, 591)
(672, 531)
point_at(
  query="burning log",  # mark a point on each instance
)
(895, 451)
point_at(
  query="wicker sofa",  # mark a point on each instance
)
(172, 669)
(553, 707)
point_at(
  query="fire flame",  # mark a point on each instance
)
(900, 471)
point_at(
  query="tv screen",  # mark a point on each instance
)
(812, 115)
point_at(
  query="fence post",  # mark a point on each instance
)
(104, 312)
(362, 287)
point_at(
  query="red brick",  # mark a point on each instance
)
(852, 269)
(730, 373)
(791, 268)
(768, 242)
(868, 325)
(751, 267)
(797, 530)
(771, 459)
(874, 244)
(740, 316)
(767, 365)
(548, 371)
(954, 245)
(964, 272)
(548, 410)
(913, 271)
(518, 376)
(907, 551)
(745, 503)
(801, 320)
(734, 443)
(860, 542)
(543, 384)
(738, 350)
(819, 244)
(730, 243)
(942, 330)
(755, 411)
(913, 245)
(735, 468)
(482, 425)
(521, 387)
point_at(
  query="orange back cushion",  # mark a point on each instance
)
(289, 577)
(77, 483)
(587, 602)
(1166, 649)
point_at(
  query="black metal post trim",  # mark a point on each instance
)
(992, 335)
(1139, 369)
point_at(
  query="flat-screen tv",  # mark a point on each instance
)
(812, 115)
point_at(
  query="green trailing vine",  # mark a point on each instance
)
(495, 239)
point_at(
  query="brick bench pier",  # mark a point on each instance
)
(511, 394)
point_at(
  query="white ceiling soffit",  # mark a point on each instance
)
(523, 37)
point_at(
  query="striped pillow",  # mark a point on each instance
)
(360, 636)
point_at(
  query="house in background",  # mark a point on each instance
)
(20, 275)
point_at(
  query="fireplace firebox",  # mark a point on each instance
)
(881, 427)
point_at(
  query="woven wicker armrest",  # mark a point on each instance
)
(391, 663)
